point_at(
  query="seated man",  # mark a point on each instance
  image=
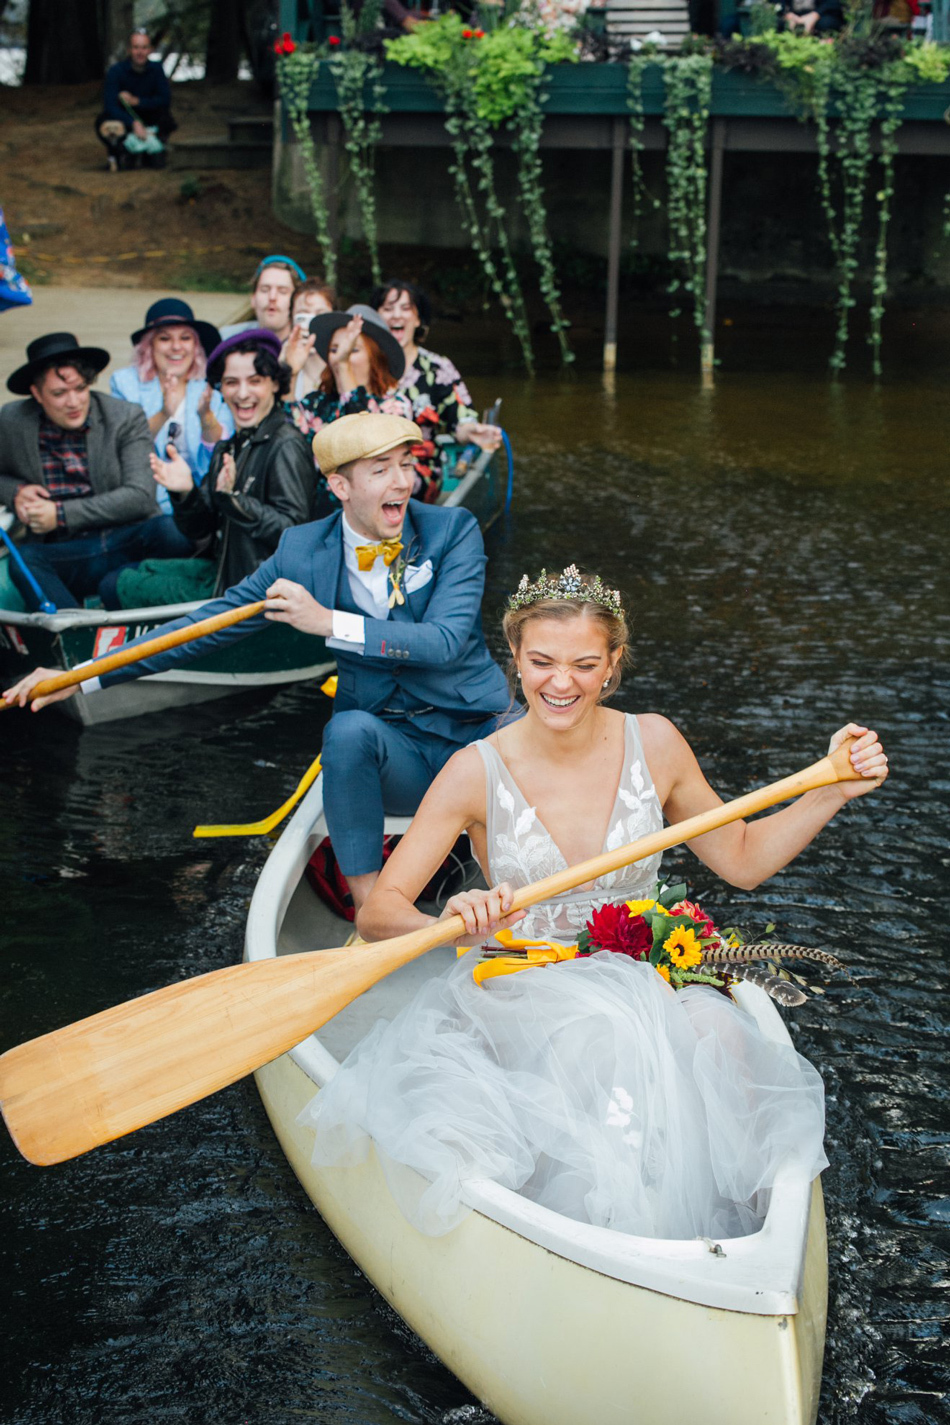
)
(396, 588)
(260, 481)
(74, 467)
(137, 98)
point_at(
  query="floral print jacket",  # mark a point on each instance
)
(440, 402)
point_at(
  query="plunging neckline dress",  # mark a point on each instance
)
(589, 1086)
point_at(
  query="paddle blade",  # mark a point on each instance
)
(105, 1076)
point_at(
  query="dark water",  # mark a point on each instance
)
(784, 547)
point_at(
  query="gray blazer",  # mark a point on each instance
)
(118, 445)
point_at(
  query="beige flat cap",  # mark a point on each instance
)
(359, 437)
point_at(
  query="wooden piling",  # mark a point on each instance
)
(717, 145)
(618, 144)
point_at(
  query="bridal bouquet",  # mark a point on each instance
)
(674, 935)
(669, 931)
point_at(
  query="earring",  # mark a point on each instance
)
(606, 682)
(518, 676)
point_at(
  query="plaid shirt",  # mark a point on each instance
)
(65, 464)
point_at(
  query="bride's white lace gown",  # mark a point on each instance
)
(589, 1086)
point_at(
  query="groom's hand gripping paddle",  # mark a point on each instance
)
(135, 654)
(77, 1087)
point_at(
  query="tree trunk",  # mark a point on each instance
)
(117, 22)
(225, 41)
(63, 42)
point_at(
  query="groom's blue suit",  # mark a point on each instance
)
(423, 685)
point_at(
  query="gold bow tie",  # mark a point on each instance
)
(367, 554)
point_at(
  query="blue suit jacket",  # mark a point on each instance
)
(432, 646)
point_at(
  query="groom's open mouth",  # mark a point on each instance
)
(394, 511)
(560, 703)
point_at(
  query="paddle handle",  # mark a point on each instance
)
(152, 646)
(836, 767)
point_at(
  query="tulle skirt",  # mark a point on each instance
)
(589, 1087)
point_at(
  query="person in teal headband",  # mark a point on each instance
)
(272, 294)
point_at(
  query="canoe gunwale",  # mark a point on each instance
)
(758, 1274)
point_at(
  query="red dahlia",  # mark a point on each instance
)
(613, 928)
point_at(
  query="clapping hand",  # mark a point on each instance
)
(867, 757)
(345, 342)
(226, 475)
(173, 393)
(297, 348)
(174, 473)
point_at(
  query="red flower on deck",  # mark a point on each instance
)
(285, 45)
(468, 34)
(479, 34)
(612, 927)
(333, 41)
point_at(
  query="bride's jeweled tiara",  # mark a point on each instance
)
(568, 585)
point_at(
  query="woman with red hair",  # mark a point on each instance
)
(363, 365)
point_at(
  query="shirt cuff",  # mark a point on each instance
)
(88, 685)
(348, 629)
(60, 515)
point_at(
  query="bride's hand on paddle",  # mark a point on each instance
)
(867, 757)
(484, 912)
(20, 692)
(291, 603)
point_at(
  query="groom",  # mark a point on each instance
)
(396, 589)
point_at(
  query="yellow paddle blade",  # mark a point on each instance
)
(267, 823)
(260, 828)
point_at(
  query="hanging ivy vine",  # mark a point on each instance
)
(688, 83)
(487, 80)
(355, 70)
(296, 70)
(637, 66)
(527, 146)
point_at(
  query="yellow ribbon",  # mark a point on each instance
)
(367, 554)
(537, 952)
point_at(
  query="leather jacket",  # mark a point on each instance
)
(273, 489)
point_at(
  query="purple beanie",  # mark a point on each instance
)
(260, 336)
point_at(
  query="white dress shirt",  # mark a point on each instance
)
(370, 589)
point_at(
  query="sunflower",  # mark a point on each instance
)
(683, 948)
(662, 970)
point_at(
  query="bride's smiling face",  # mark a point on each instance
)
(564, 664)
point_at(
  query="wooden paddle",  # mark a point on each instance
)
(90, 1082)
(148, 649)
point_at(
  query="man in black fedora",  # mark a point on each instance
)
(74, 467)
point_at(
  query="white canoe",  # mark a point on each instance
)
(546, 1320)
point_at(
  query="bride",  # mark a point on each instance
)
(590, 1086)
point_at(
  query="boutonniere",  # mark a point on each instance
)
(397, 572)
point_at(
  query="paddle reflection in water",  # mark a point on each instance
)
(772, 540)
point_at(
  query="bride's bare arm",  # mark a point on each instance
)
(454, 803)
(747, 853)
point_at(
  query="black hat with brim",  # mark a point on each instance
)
(325, 324)
(173, 312)
(56, 349)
